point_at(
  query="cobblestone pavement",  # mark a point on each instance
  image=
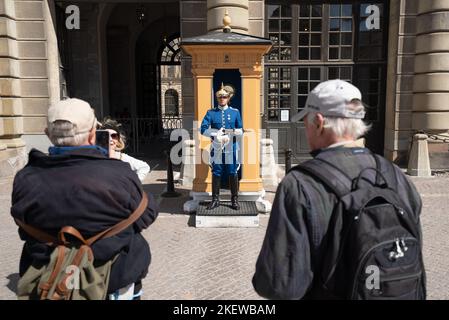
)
(191, 263)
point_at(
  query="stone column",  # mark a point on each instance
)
(37, 56)
(12, 151)
(193, 23)
(52, 52)
(256, 13)
(431, 83)
(431, 86)
(400, 74)
(256, 18)
(237, 9)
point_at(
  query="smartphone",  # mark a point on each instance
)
(102, 139)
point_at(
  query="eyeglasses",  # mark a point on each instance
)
(115, 136)
(223, 97)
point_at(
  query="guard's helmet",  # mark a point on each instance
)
(222, 92)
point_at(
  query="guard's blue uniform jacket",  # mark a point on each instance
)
(224, 160)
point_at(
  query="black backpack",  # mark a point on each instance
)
(373, 247)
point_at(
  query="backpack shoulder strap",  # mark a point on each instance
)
(328, 174)
(388, 171)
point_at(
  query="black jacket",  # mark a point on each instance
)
(90, 192)
(292, 248)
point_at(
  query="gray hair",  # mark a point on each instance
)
(342, 127)
(63, 133)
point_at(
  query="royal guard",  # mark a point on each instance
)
(223, 124)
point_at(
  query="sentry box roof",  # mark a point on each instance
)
(226, 38)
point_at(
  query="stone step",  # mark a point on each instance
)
(226, 217)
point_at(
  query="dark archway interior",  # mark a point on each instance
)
(135, 36)
(132, 53)
(148, 48)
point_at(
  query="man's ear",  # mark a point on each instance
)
(92, 137)
(319, 122)
(46, 132)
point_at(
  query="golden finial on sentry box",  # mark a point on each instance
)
(226, 22)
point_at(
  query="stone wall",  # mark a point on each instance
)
(431, 83)
(256, 17)
(418, 76)
(23, 79)
(401, 57)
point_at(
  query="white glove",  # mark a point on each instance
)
(218, 135)
(238, 132)
(223, 138)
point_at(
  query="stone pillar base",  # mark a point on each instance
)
(269, 168)
(419, 163)
(13, 143)
(187, 173)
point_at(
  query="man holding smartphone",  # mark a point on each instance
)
(103, 140)
(78, 185)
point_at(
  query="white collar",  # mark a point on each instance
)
(222, 108)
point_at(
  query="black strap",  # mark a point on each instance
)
(336, 180)
(386, 167)
(339, 182)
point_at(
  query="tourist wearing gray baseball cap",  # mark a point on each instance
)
(300, 255)
(333, 115)
(334, 98)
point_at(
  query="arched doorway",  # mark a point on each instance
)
(171, 83)
(158, 72)
(136, 36)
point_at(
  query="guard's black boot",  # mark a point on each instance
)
(234, 186)
(216, 182)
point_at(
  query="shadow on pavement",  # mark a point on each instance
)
(191, 222)
(156, 189)
(13, 280)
